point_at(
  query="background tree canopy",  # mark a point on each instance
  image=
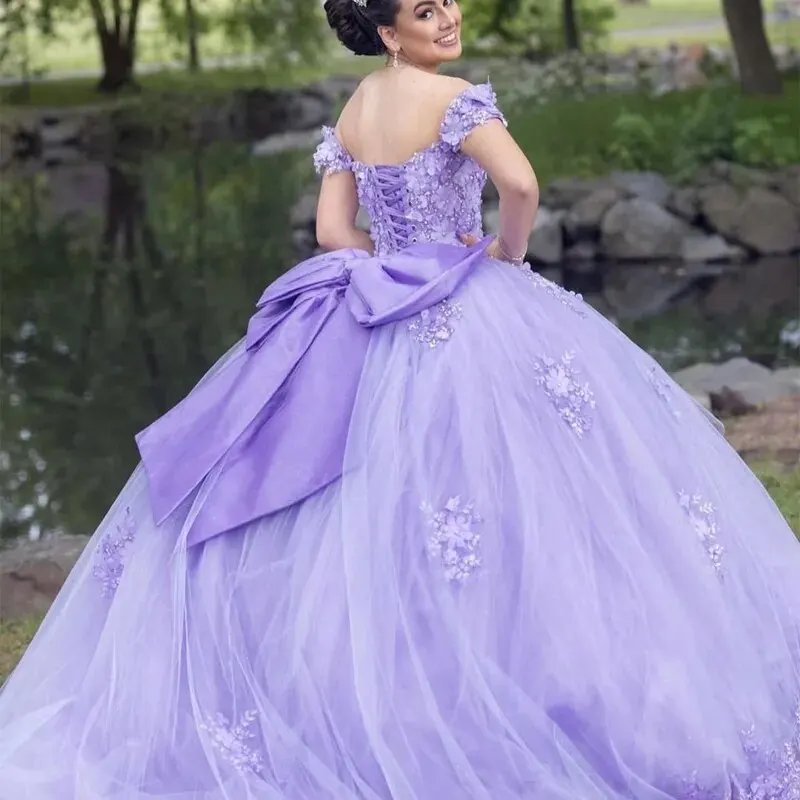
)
(291, 32)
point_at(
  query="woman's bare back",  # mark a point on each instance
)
(394, 113)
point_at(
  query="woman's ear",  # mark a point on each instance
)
(389, 37)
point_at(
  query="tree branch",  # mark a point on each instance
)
(100, 23)
(117, 6)
(133, 19)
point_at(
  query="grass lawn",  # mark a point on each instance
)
(667, 12)
(81, 91)
(779, 33)
(784, 488)
(14, 637)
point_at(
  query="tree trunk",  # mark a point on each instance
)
(758, 71)
(191, 33)
(572, 37)
(117, 63)
(116, 33)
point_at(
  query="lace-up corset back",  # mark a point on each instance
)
(435, 195)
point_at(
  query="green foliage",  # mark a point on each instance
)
(700, 133)
(565, 138)
(175, 23)
(18, 20)
(532, 28)
(636, 143)
(757, 142)
(288, 31)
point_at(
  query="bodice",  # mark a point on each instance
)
(433, 196)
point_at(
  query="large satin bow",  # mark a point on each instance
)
(269, 428)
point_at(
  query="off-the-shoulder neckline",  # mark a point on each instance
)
(417, 153)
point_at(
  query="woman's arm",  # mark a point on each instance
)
(336, 214)
(495, 150)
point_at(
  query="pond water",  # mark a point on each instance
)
(122, 284)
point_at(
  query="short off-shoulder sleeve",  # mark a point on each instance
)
(475, 106)
(330, 156)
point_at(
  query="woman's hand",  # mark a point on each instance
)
(494, 250)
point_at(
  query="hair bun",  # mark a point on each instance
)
(354, 28)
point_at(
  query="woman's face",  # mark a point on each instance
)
(427, 32)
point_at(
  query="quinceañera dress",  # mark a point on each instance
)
(435, 530)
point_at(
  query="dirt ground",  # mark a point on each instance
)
(771, 434)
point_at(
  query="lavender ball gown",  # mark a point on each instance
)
(434, 530)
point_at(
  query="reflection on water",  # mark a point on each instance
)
(110, 317)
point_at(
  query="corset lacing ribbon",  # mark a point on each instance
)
(390, 183)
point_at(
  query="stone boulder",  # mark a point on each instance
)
(583, 220)
(546, 242)
(647, 185)
(741, 175)
(710, 248)
(258, 113)
(752, 384)
(788, 184)
(32, 574)
(684, 203)
(757, 218)
(563, 193)
(638, 229)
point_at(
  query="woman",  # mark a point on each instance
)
(434, 529)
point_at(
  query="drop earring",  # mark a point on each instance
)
(395, 62)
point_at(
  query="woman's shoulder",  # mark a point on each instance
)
(442, 91)
(429, 85)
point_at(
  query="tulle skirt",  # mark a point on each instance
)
(543, 574)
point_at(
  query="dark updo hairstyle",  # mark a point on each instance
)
(357, 26)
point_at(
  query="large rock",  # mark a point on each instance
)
(752, 383)
(757, 218)
(582, 253)
(788, 184)
(546, 242)
(32, 573)
(647, 185)
(584, 218)
(258, 113)
(742, 175)
(564, 193)
(639, 229)
(710, 248)
(685, 203)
